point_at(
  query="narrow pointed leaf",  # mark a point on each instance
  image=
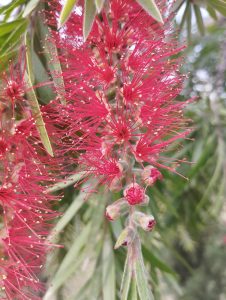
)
(189, 17)
(199, 19)
(212, 12)
(126, 280)
(52, 59)
(66, 12)
(89, 16)
(70, 262)
(36, 112)
(219, 5)
(99, 4)
(108, 274)
(77, 203)
(10, 26)
(32, 4)
(144, 290)
(151, 7)
(133, 290)
(185, 15)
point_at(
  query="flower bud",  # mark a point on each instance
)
(150, 175)
(146, 222)
(134, 194)
(125, 238)
(114, 210)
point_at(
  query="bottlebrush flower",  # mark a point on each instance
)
(120, 86)
(26, 171)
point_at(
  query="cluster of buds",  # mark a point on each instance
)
(134, 196)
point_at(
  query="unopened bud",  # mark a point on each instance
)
(114, 210)
(125, 238)
(135, 194)
(150, 175)
(146, 222)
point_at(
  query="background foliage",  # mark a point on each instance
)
(186, 254)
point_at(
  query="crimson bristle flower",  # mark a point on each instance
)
(26, 173)
(120, 88)
(120, 85)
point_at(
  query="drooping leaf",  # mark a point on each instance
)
(199, 19)
(32, 4)
(155, 261)
(143, 287)
(66, 12)
(7, 9)
(108, 274)
(13, 38)
(151, 7)
(53, 62)
(36, 112)
(88, 18)
(212, 12)
(126, 280)
(99, 4)
(10, 26)
(219, 5)
(77, 203)
(69, 263)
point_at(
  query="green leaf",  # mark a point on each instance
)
(151, 7)
(126, 280)
(144, 290)
(199, 19)
(89, 16)
(185, 15)
(70, 262)
(189, 22)
(32, 4)
(66, 12)
(156, 262)
(10, 26)
(133, 290)
(7, 9)
(44, 92)
(67, 182)
(13, 38)
(36, 112)
(212, 12)
(219, 5)
(108, 274)
(99, 4)
(77, 203)
(52, 59)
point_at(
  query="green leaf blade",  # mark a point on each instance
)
(36, 112)
(151, 7)
(89, 16)
(66, 12)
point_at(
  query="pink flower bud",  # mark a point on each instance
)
(150, 175)
(134, 194)
(146, 222)
(114, 210)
